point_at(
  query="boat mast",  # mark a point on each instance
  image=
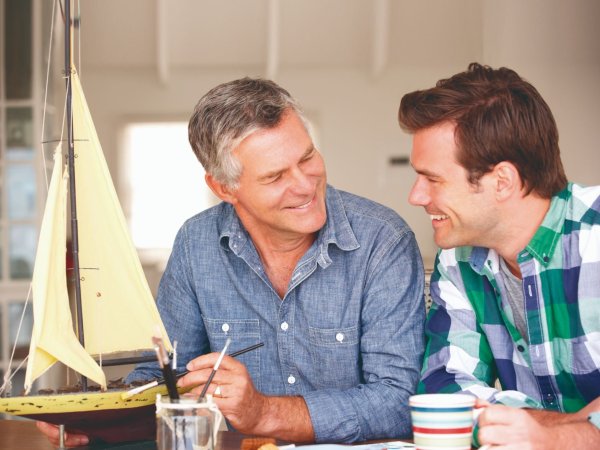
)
(69, 67)
(72, 193)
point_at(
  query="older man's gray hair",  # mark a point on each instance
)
(230, 112)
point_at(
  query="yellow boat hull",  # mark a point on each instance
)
(100, 415)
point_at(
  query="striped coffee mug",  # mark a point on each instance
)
(442, 421)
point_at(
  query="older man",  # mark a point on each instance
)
(332, 283)
(516, 286)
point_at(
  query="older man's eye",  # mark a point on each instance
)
(309, 156)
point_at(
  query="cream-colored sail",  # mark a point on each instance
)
(119, 312)
(53, 338)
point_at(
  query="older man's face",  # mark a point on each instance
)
(282, 186)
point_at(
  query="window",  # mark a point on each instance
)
(21, 176)
(164, 182)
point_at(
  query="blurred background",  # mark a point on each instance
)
(347, 61)
(145, 63)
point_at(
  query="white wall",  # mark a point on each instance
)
(555, 44)
(355, 118)
(552, 43)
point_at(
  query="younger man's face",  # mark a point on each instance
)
(461, 213)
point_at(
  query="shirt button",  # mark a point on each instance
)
(284, 326)
(520, 348)
(291, 379)
(225, 327)
(339, 337)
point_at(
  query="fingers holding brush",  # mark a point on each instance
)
(231, 386)
(201, 371)
(198, 377)
(236, 396)
(196, 365)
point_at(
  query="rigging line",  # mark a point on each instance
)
(46, 91)
(64, 117)
(46, 180)
(12, 355)
(9, 379)
(66, 75)
(20, 324)
(61, 140)
(62, 11)
(78, 27)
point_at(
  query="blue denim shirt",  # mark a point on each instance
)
(347, 336)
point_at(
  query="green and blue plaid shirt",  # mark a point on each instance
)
(471, 337)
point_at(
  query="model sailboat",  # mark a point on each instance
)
(117, 310)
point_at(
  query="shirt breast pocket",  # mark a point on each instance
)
(335, 357)
(243, 333)
(585, 355)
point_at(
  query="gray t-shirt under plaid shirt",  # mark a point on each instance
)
(514, 296)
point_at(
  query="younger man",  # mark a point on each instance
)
(516, 286)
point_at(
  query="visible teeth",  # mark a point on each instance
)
(303, 206)
(438, 216)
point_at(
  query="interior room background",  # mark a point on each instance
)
(347, 61)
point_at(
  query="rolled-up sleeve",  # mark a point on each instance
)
(459, 356)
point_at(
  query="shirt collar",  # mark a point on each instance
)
(477, 258)
(543, 244)
(337, 229)
(233, 236)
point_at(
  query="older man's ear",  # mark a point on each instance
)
(222, 191)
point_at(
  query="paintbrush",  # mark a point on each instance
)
(161, 381)
(214, 370)
(163, 361)
(232, 354)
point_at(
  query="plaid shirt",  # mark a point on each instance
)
(471, 334)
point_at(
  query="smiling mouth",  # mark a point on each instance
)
(438, 217)
(303, 206)
(306, 205)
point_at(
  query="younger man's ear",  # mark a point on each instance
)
(508, 180)
(222, 191)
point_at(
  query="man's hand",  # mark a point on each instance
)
(53, 435)
(593, 406)
(248, 410)
(510, 428)
(505, 428)
(232, 390)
